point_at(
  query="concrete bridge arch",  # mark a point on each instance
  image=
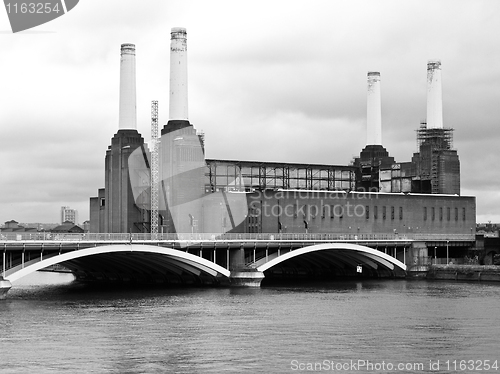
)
(345, 257)
(129, 262)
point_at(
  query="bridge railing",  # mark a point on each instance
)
(103, 237)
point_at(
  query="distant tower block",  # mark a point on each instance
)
(178, 109)
(434, 95)
(128, 110)
(373, 110)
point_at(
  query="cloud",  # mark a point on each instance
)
(270, 81)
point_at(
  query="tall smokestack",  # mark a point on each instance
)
(434, 95)
(373, 110)
(128, 110)
(178, 75)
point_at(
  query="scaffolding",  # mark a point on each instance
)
(437, 160)
(437, 138)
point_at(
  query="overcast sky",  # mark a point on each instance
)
(268, 81)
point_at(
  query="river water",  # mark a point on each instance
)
(50, 324)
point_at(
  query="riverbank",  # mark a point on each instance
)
(464, 272)
(5, 286)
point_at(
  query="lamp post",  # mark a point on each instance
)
(161, 224)
(279, 217)
(191, 220)
(221, 218)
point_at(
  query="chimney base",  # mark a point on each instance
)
(174, 125)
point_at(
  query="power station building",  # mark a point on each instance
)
(374, 194)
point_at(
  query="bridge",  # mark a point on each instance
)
(213, 259)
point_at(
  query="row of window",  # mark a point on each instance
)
(339, 211)
(333, 211)
(384, 212)
(441, 213)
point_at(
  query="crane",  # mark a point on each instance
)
(154, 169)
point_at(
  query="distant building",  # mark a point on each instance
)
(86, 226)
(68, 227)
(13, 226)
(39, 226)
(68, 214)
(489, 229)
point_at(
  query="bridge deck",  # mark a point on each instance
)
(214, 237)
(228, 251)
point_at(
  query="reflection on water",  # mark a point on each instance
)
(51, 324)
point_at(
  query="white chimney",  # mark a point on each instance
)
(128, 110)
(373, 110)
(434, 95)
(178, 75)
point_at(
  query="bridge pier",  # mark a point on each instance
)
(5, 286)
(246, 278)
(418, 255)
(242, 276)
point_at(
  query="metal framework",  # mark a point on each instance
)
(154, 168)
(254, 175)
